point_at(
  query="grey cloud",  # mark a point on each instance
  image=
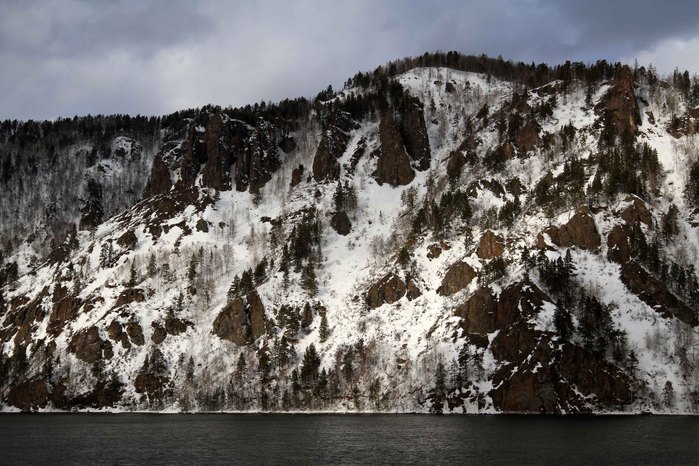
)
(68, 57)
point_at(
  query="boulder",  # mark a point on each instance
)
(340, 222)
(241, 320)
(490, 245)
(618, 245)
(636, 212)
(389, 289)
(130, 295)
(458, 276)
(159, 181)
(135, 332)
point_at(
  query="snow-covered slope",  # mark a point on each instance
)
(487, 279)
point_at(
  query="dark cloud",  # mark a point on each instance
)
(65, 57)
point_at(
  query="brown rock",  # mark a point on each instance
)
(527, 137)
(297, 175)
(412, 290)
(393, 166)
(654, 293)
(483, 313)
(65, 308)
(29, 395)
(490, 245)
(175, 326)
(388, 289)
(458, 276)
(340, 222)
(202, 225)
(618, 245)
(414, 134)
(580, 231)
(255, 165)
(159, 333)
(130, 295)
(636, 212)
(89, 347)
(127, 240)
(331, 147)
(455, 164)
(135, 332)
(159, 181)
(620, 104)
(241, 320)
(224, 140)
(552, 377)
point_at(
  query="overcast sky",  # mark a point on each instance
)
(68, 57)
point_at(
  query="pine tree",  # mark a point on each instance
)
(152, 266)
(324, 331)
(668, 394)
(240, 367)
(133, 278)
(308, 279)
(192, 274)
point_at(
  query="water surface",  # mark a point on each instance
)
(347, 439)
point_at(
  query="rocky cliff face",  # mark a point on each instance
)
(403, 246)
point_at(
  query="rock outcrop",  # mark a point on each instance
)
(414, 134)
(389, 289)
(490, 245)
(458, 276)
(331, 147)
(341, 223)
(393, 166)
(580, 231)
(88, 346)
(619, 104)
(655, 293)
(527, 137)
(254, 167)
(242, 320)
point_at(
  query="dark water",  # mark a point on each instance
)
(349, 439)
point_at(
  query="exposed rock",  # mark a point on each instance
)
(65, 308)
(458, 276)
(89, 347)
(455, 164)
(297, 175)
(620, 104)
(340, 222)
(546, 376)
(194, 157)
(331, 147)
(434, 250)
(130, 295)
(493, 186)
(389, 289)
(490, 245)
(154, 386)
(135, 332)
(224, 141)
(29, 395)
(393, 166)
(654, 293)
(527, 137)
(636, 212)
(287, 144)
(127, 240)
(580, 231)
(483, 313)
(159, 333)
(254, 167)
(175, 326)
(412, 291)
(202, 225)
(159, 181)
(241, 320)
(618, 245)
(414, 134)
